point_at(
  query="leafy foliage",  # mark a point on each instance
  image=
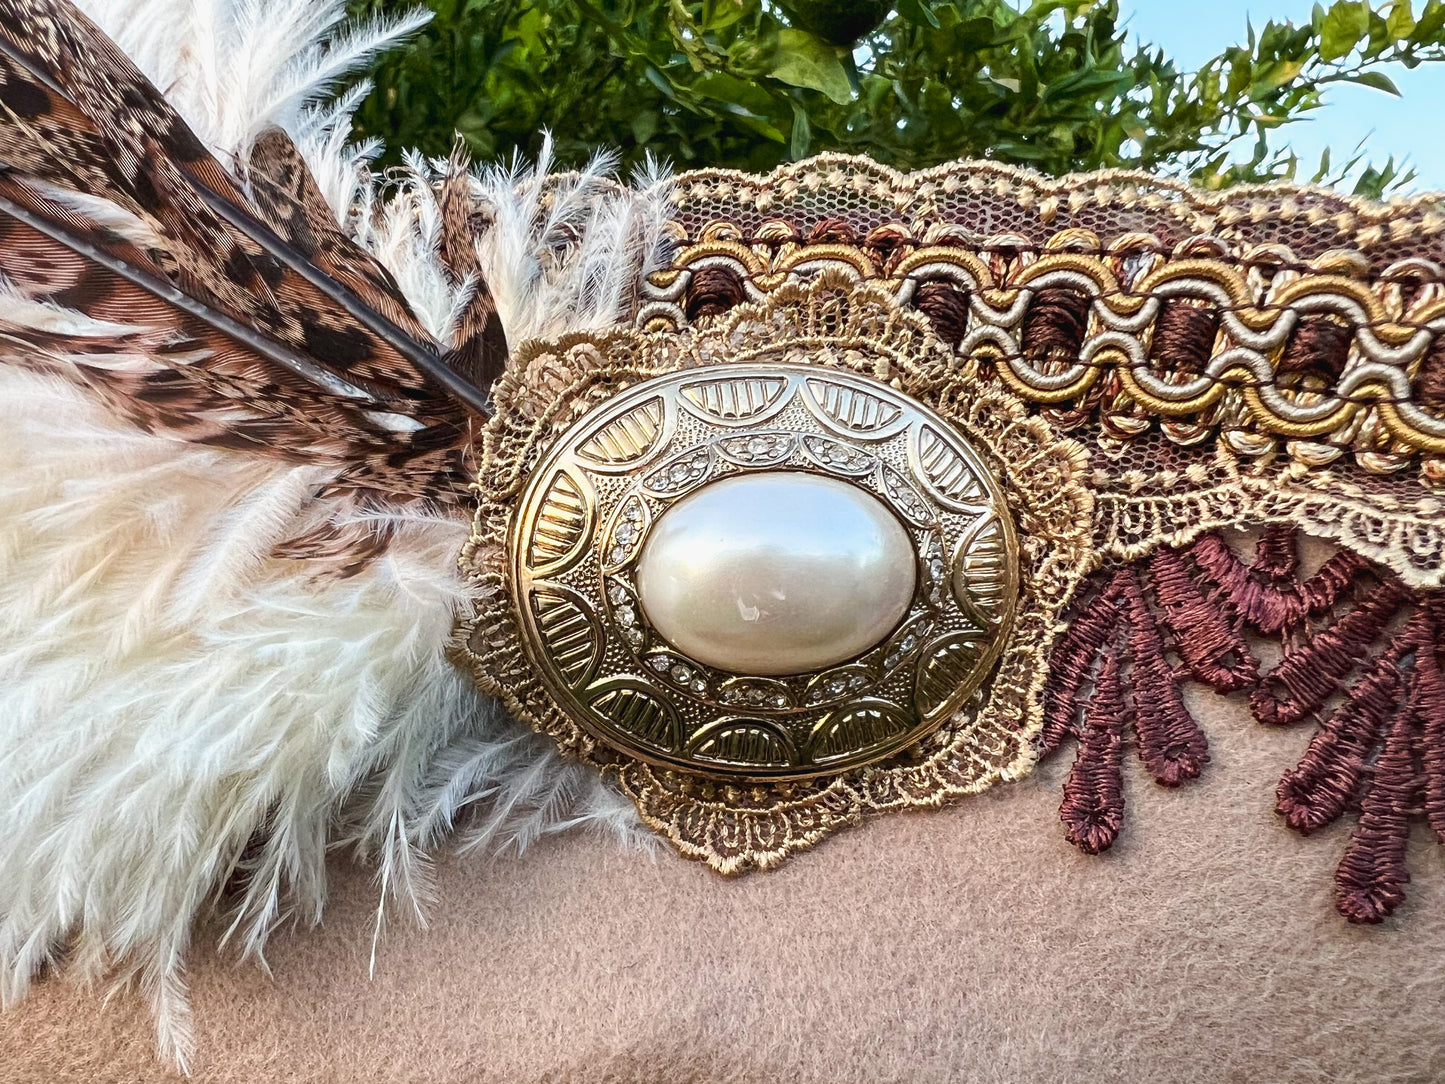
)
(751, 83)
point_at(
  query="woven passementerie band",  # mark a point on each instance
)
(1255, 345)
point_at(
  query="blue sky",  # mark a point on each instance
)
(1192, 31)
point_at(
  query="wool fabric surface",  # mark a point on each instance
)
(971, 944)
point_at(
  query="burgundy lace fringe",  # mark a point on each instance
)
(1379, 749)
(1093, 807)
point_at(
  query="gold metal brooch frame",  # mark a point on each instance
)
(586, 517)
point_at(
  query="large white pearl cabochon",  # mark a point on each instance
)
(776, 573)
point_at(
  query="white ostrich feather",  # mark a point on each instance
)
(571, 261)
(232, 68)
(564, 251)
(177, 705)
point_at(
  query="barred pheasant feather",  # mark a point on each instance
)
(353, 511)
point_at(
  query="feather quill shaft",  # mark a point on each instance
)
(404, 344)
(164, 291)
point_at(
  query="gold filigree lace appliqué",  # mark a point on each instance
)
(826, 324)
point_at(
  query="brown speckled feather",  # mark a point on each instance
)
(481, 345)
(48, 138)
(185, 379)
(265, 278)
(162, 167)
(285, 196)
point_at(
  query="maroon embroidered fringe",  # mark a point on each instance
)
(1379, 749)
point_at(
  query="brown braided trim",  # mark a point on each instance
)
(827, 323)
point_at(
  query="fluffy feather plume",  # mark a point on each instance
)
(566, 251)
(236, 68)
(197, 692)
(558, 252)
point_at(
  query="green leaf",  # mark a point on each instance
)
(1275, 76)
(644, 126)
(1430, 23)
(742, 96)
(751, 104)
(802, 137)
(804, 61)
(1377, 80)
(918, 12)
(721, 14)
(1346, 22)
(660, 81)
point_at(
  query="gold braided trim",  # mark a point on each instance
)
(825, 323)
(1327, 311)
(1118, 374)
